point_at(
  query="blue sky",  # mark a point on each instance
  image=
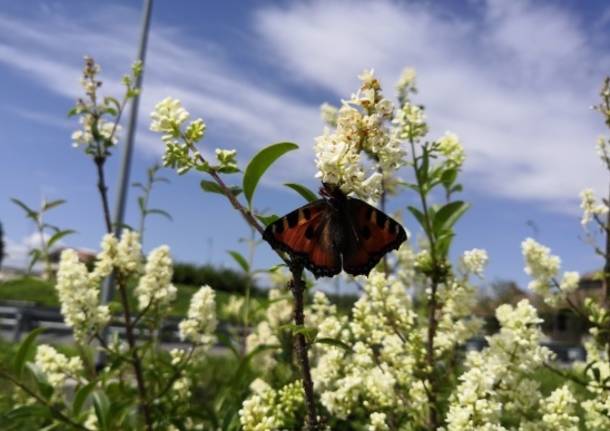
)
(514, 79)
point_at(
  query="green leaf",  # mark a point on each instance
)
(29, 411)
(160, 212)
(212, 187)
(101, 404)
(448, 215)
(142, 204)
(307, 331)
(25, 351)
(36, 256)
(72, 112)
(45, 389)
(29, 211)
(59, 235)
(448, 177)
(52, 204)
(303, 191)
(418, 215)
(81, 396)
(260, 163)
(267, 220)
(138, 185)
(334, 342)
(228, 169)
(241, 261)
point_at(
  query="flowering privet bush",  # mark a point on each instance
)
(394, 361)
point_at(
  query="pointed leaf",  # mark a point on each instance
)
(45, 389)
(241, 261)
(303, 191)
(160, 212)
(30, 212)
(81, 396)
(52, 204)
(59, 235)
(212, 187)
(101, 405)
(260, 163)
(267, 220)
(25, 351)
(418, 215)
(448, 215)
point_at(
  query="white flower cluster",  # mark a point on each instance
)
(590, 206)
(409, 123)
(329, 114)
(360, 128)
(227, 158)
(450, 147)
(497, 379)
(558, 410)
(378, 373)
(155, 289)
(79, 297)
(56, 366)
(456, 324)
(84, 136)
(168, 117)
(271, 410)
(201, 322)
(544, 268)
(475, 260)
(278, 313)
(406, 84)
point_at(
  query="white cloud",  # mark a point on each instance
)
(515, 83)
(240, 112)
(514, 80)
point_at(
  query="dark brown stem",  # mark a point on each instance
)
(298, 290)
(103, 189)
(56, 412)
(137, 364)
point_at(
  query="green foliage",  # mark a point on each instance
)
(259, 165)
(303, 191)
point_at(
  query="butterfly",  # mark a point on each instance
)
(336, 232)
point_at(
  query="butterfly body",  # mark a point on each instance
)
(336, 232)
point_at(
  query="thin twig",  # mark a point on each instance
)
(298, 289)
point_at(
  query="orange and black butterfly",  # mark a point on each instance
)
(336, 232)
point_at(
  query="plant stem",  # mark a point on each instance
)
(103, 189)
(432, 302)
(298, 290)
(137, 364)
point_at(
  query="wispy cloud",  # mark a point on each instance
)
(515, 80)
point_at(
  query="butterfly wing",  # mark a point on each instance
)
(370, 235)
(307, 235)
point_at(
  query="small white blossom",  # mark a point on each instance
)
(56, 366)
(227, 158)
(590, 206)
(329, 114)
(449, 146)
(569, 281)
(79, 297)
(540, 265)
(475, 260)
(129, 253)
(378, 422)
(558, 410)
(154, 288)
(200, 324)
(168, 116)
